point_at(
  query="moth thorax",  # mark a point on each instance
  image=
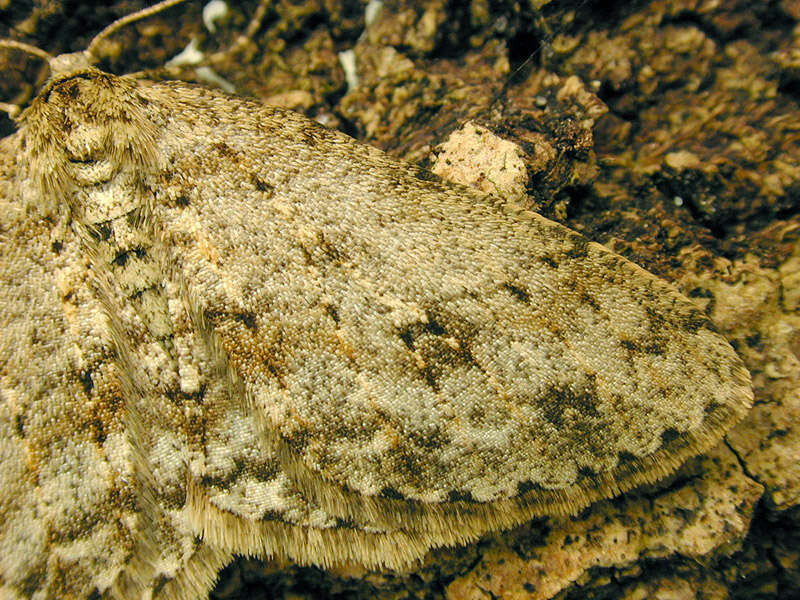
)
(113, 198)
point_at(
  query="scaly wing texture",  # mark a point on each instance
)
(67, 522)
(92, 500)
(197, 464)
(286, 343)
(421, 352)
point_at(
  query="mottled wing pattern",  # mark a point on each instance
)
(94, 449)
(67, 507)
(206, 481)
(420, 352)
(250, 334)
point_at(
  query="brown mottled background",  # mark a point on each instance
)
(667, 130)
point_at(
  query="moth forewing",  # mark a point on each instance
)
(284, 343)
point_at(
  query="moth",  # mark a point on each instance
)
(229, 330)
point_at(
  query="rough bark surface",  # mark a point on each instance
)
(666, 130)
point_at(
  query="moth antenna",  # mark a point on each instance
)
(22, 46)
(67, 62)
(13, 110)
(126, 20)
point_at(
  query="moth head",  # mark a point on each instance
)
(64, 64)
